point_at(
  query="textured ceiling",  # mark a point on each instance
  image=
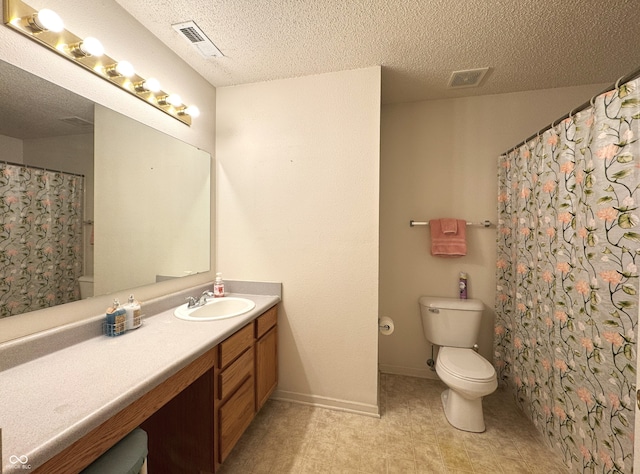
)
(528, 44)
(31, 107)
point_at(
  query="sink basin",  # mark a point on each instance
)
(218, 308)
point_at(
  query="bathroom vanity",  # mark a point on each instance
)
(193, 386)
(196, 430)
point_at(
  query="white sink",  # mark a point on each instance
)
(217, 308)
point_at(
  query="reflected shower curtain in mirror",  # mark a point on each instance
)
(567, 280)
(40, 238)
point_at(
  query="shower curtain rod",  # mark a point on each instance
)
(622, 80)
(23, 165)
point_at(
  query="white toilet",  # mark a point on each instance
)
(454, 325)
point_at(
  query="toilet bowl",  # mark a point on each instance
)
(454, 325)
(469, 377)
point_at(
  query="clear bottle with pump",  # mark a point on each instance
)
(134, 313)
(218, 286)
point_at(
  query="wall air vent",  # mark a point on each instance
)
(194, 35)
(467, 78)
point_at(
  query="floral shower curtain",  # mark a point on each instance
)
(567, 280)
(40, 238)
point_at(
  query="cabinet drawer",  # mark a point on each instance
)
(235, 417)
(235, 345)
(235, 374)
(266, 321)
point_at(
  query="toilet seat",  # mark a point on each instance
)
(466, 364)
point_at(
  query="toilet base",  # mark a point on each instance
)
(462, 413)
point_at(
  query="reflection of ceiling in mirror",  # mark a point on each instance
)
(31, 107)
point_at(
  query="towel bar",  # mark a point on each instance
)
(486, 223)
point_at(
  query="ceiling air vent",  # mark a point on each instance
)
(194, 35)
(76, 121)
(467, 78)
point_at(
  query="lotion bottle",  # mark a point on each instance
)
(134, 317)
(218, 286)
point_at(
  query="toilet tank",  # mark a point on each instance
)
(86, 286)
(451, 322)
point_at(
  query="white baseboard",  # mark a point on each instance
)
(425, 373)
(327, 402)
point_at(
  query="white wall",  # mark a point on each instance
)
(161, 231)
(298, 190)
(438, 159)
(123, 38)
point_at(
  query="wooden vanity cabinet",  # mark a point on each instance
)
(197, 429)
(266, 356)
(248, 365)
(235, 400)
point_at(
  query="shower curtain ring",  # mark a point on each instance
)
(592, 101)
(618, 82)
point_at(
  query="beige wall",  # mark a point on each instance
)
(123, 38)
(438, 159)
(12, 149)
(298, 190)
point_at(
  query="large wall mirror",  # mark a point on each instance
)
(91, 199)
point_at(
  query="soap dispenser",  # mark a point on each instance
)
(218, 286)
(134, 316)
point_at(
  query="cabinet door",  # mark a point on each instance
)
(266, 366)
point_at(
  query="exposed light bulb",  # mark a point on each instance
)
(91, 47)
(47, 20)
(192, 110)
(125, 68)
(147, 85)
(175, 100)
(151, 85)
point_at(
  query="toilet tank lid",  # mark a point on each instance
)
(86, 278)
(451, 303)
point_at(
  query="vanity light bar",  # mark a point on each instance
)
(88, 53)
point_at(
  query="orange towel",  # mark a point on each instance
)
(445, 243)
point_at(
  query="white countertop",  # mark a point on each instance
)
(48, 403)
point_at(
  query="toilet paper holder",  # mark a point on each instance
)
(385, 326)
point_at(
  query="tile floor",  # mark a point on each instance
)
(412, 436)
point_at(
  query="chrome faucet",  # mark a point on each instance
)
(194, 303)
(203, 298)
